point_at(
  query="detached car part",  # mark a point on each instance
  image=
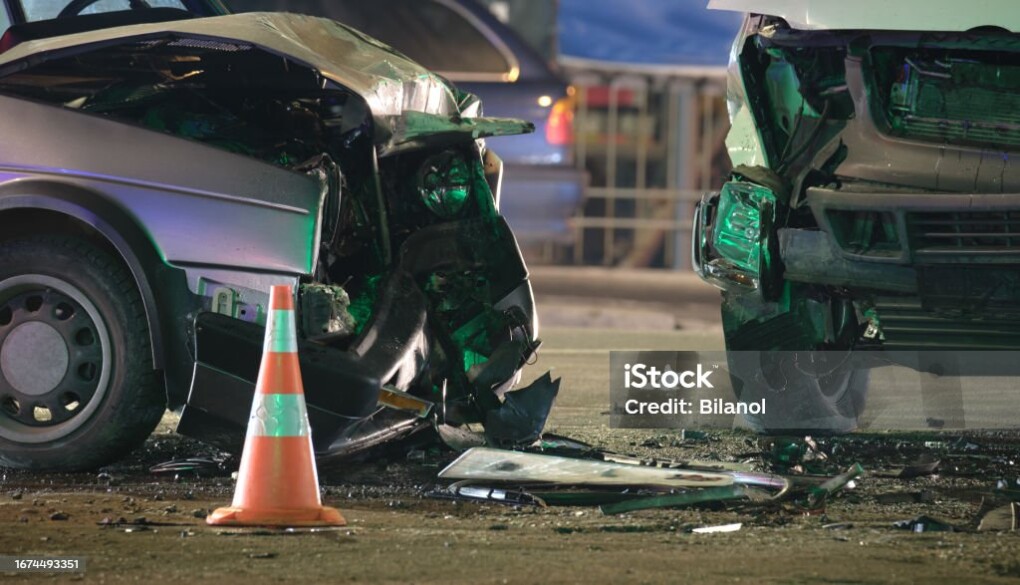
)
(160, 177)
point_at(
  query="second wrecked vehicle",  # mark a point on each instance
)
(160, 172)
(875, 201)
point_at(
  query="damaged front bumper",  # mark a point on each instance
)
(403, 372)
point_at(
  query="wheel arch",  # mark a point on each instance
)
(26, 206)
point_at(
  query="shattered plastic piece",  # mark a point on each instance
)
(196, 466)
(818, 493)
(690, 498)
(563, 445)
(586, 498)
(919, 469)
(523, 413)
(1005, 518)
(766, 480)
(720, 528)
(488, 494)
(791, 451)
(698, 464)
(485, 464)
(924, 524)
(460, 439)
(399, 400)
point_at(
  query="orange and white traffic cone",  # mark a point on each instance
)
(277, 484)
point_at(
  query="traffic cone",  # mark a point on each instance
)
(277, 484)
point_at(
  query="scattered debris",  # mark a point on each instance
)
(817, 494)
(689, 498)
(721, 528)
(697, 464)
(923, 496)
(459, 491)
(523, 413)
(586, 498)
(460, 439)
(485, 464)
(925, 524)
(1005, 518)
(192, 467)
(919, 469)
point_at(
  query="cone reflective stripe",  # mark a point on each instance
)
(277, 484)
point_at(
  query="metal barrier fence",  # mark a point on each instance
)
(652, 141)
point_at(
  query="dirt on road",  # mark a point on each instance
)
(134, 526)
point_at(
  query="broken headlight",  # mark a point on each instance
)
(733, 245)
(444, 183)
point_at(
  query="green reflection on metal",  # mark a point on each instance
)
(445, 184)
(739, 229)
(363, 302)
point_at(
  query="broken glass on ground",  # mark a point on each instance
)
(688, 498)
(925, 524)
(720, 528)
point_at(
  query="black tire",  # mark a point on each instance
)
(109, 399)
(828, 400)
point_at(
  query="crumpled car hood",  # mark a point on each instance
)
(916, 15)
(391, 84)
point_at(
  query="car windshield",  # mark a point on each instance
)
(47, 9)
(435, 35)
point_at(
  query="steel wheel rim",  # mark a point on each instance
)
(67, 311)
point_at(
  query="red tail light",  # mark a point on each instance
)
(559, 128)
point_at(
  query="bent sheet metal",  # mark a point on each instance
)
(486, 464)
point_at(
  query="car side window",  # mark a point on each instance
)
(436, 34)
(47, 9)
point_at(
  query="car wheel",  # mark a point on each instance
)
(825, 398)
(77, 386)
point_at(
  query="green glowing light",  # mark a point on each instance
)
(444, 184)
(738, 235)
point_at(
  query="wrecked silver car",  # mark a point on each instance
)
(159, 175)
(875, 202)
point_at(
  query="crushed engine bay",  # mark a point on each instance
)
(418, 291)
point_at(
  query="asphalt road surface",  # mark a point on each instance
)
(134, 526)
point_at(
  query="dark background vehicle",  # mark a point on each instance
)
(462, 41)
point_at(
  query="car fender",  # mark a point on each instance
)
(123, 234)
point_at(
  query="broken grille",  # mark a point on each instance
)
(965, 231)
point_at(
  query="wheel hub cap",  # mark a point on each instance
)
(34, 358)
